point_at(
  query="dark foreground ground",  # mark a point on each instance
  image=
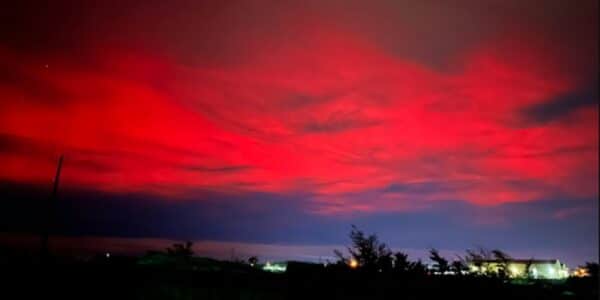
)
(128, 280)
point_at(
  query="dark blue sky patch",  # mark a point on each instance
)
(282, 219)
(561, 106)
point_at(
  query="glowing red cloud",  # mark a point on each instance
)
(331, 115)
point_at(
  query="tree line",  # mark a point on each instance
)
(369, 254)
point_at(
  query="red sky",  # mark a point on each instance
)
(485, 103)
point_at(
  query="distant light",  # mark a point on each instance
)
(46, 66)
(107, 255)
(581, 272)
(275, 267)
(353, 263)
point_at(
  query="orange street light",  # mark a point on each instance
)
(353, 263)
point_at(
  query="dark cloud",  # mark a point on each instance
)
(13, 143)
(337, 122)
(32, 86)
(297, 101)
(219, 169)
(19, 145)
(205, 32)
(427, 187)
(562, 106)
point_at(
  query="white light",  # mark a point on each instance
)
(514, 271)
(107, 255)
(551, 271)
(274, 267)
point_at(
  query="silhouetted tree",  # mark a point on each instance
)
(592, 268)
(441, 264)
(477, 258)
(459, 266)
(417, 268)
(385, 262)
(368, 251)
(342, 260)
(252, 260)
(181, 250)
(502, 259)
(401, 263)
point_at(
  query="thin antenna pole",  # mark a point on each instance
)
(50, 206)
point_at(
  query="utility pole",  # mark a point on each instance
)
(50, 211)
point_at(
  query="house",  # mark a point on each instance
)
(521, 268)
